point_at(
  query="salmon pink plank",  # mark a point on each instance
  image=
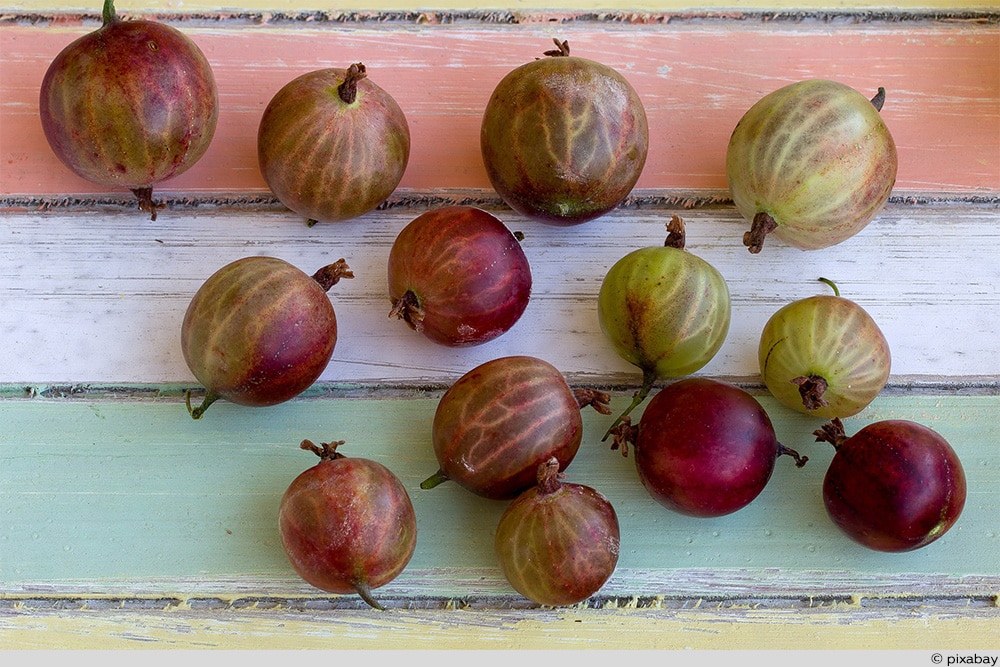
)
(943, 83)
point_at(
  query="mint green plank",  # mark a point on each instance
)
(105, 490)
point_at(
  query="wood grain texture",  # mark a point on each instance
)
(909, 632)
(137, 491)
(125, 524)
(86, 310)
(943, 82)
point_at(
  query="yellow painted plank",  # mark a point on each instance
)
(846, 627)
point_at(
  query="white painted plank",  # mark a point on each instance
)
(99, 298)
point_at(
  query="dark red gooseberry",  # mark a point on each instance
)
(703, 447)
(895, 485)
(458, 275)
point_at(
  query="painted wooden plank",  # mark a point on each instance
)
(909, 634)
(100, 493)
(100, 299)
(943, 83)
(119, 530)
(127, 524)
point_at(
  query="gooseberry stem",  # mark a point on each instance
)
(676, 233)
(197, 412)
(648, 380)
(832, 432)
(786, 451)
(407, 308)
(326, 451)
(548, 476)
(347, 91)
(146, 203)
(594, 398)
(879, 99)
(836, 290)
(561, 50)
(108, 14)
(330, 275)
(811, 389)
(365, 591)
(762, 225)
(435, 479)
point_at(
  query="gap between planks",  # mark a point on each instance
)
(401, 390)
(419, 200)
(324, 602)
(504, 17)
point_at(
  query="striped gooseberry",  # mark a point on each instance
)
(812, 162)
(824, 356)
(129, 105)
(332, 145)
(664, 310)
(563, 138)
(347, 524)
(259, 331)
(499, 421)
(557, 543)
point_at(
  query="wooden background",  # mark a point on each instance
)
(125, 524)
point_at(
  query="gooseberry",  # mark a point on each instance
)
(347, 524)
(557, 543)
(459, 276)
(664, 310)
(129, 105)
(332, 145)
(563, 138)
(260, 331)
(501, 420)
(824, 356)
(703, 447)
(812, 162)
(895, 485)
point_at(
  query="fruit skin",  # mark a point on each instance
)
(501, 420)
(664, 310)
(328, 159)
(260, 331)
(347, 524)
(129, 105)
(817, 158)
(558, 543)
(704, 448)
(564, 139)
(459, 276)
(682, 329)
(893, 486)
(824, 341)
